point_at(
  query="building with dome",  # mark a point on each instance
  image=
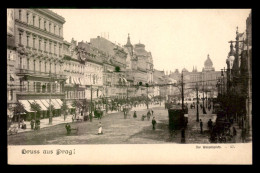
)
(207, 78)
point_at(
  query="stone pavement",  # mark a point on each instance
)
(60, 119)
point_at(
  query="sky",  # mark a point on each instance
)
(177, 38)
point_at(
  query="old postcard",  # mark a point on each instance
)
(129, 86)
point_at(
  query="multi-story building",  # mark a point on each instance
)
(74, 69)
(114, 57)
(39, 41)
(206, 79)
(139, 67)
(12, 80)
(93, 70)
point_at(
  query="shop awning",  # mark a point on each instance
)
(26, 105)
(43, 108)
(55, 104)
(59, 102)
(69, 106)
(45, 103)
(68, 81)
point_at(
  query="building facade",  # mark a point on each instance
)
(39, 40)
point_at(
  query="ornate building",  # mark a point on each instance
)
(12, 79)
(114, 57)
(206, 79)
(139, 66)
(39, 64)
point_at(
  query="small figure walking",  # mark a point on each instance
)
(68, 128)
(135, 116)
(201, 126)
(153, 123)
(100, 129)
(152, 112)
(148, 115)
(32, 124)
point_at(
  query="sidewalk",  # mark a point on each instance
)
(45, 123)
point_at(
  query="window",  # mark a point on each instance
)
(59, 31)
(54, 48)
(44, 25)
(33, 42)
(20, 14)
(27, 42)
(54, 28)
(28, 63)
(45, 66)
(55, 68)
(50, 67)
(50, 27)
(39, 22)
(48, 87)
(40, 44)
(33, 20)
(50, 47)
(40, 64)
(20, 38)
(34, 86)
(34, 65)
(27, 18)
(38, 87)
(59, 49)
(45, 45)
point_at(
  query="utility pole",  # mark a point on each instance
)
(91, 99)
(249, 125)
(50, 116)
(203, 109)
(147, 97)
(197, 93)
(182, 92)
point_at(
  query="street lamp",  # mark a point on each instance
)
(50, 117)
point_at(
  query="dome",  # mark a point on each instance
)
(184, 70)
(208, 62)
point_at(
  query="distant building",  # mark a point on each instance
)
(206, 79)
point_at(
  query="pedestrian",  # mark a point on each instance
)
(135, 116)
(153, 123)
(182, 135)
(32, 124)
(100, 129)
(68, 128)
(210, 124)
(152, 112)
(148, 115)
(201, 126)
(234, 131)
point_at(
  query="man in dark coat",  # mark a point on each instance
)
(153, 123)
(201, 126)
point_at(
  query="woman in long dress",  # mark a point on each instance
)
(100, 128)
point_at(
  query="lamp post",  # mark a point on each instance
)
(50, 95)
(197, 88)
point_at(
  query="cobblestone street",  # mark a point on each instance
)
(117, 130)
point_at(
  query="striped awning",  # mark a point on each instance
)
(55, 104)
(69, 106)
(43, 108)
(59, 101)
(45, 103)
(26, 104)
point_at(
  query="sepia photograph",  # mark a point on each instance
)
(124, 77)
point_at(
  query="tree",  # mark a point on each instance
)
(18, 109)
(64, 108)
(36, 108)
